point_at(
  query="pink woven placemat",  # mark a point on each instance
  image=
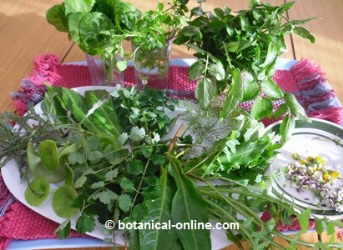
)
(304, 79)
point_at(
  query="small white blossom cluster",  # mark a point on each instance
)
(311, 174)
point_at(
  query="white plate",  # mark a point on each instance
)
(11, 176)
(315, 138)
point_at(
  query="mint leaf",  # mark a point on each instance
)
(125, 202)
(127, 185)
(111, 175)
(106, 197)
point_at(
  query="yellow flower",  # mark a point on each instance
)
(334, 175)
(320, 160)
(327, 177)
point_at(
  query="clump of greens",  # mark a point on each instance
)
(237, 53)
(130, 171)
(98, 27)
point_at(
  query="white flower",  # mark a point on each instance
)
(137, 134)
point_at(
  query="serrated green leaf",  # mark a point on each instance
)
(127, 185)
(85, 223)
(106, 197)
(125, 202)
(280, 111)
(250, 87)
(76, 158)
(111, 175)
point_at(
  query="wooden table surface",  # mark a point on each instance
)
(24, 34)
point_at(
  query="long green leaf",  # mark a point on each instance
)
(235, 95)
(159, 210)
(189, 205)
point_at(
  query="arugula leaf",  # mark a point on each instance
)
(189, 205)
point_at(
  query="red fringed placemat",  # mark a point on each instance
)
(304, 79)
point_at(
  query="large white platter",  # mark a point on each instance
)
(17, 187)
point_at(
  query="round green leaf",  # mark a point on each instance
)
(62, 202)
(37, 191)
(49, 154)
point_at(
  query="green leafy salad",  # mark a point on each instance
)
(115, 155)
(137, 155)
